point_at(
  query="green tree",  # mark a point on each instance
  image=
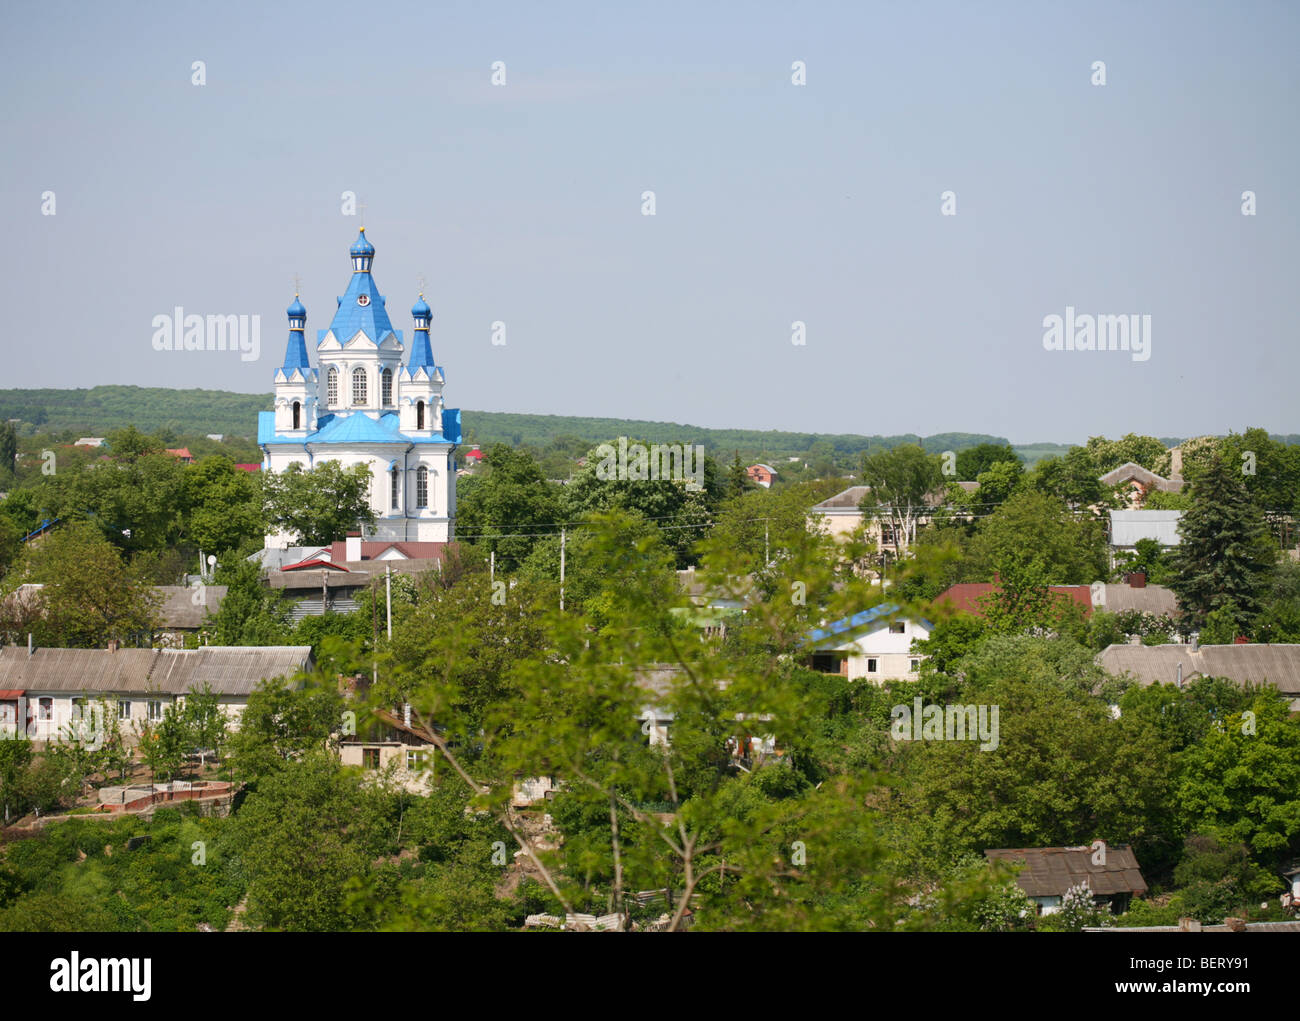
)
(298, 840)
(1107, 455)
(90, 594)
(8, 452)
(1072, 479)
(901, 482)
(225, 506)
(1149, 558)
(997, 484)
(1241, 782)
(15, 760)
(738, 480)
(508, 507)
(1225, 555)
(321, 505)
(1072, 549)
(974, 461)
(251, 613)
(283, 722)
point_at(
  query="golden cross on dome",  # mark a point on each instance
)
(297, 284)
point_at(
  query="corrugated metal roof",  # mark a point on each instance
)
(1051, 871)
(1278, 665)
(1149, 599)
(1128, 526)
(228, 670)
(179, 610)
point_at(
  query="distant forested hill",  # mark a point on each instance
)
(103, 409)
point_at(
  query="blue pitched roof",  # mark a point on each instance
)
(358, 427)
(854, 623)
(422, 352)
(295, 353)
(371, 318)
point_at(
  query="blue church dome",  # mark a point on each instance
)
(296, 310)
(362, 246)
(421, 309)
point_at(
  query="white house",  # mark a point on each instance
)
(875, 645)
(363, 405)
(47, 690)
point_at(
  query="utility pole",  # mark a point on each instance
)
(562, 569)
(388, 597)
(767, 556)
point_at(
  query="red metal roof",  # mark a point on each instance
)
(317, 562)
(9, 696)
(965, 596)
(372, 549)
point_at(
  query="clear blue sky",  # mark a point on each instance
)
(775, 203)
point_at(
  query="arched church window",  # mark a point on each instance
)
(419, 414)
(358, 386)
(387, 386)
(393, 486)
(297, 415)
(332, 387)
(422, 487)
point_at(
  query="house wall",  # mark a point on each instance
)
(432, 523)
(61, 712)
(892, 652)
(353, 753)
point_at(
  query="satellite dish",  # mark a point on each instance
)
(212, 559)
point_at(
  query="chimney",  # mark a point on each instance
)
(1135, 639)
(1241, 640)
(1196, 642)
(352, 546)
(112, 645)
(29, 643)
(1235, 924)
(1137, 579)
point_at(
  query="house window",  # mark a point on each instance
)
(124, 710)
(419, 414)
(392, 486)
(898, 627)
(417, 759)
(916, 663)
(358, 386)
(332, 387)
(422, 487)
(386, 384)
(297, 415)
(370, 758)
(78, 706)
(871, 666)
(155, 711)
(45, 709)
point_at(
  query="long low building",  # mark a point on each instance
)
(1278, 665)
(46, 688)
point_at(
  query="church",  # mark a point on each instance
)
(362, 404)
